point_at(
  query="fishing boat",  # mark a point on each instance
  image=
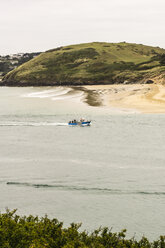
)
(81, 122)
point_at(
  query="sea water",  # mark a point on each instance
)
(110, 174)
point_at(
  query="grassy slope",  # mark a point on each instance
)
(90, 63)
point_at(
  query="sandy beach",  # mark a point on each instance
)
(145, 98)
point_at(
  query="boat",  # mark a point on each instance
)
(81, 122)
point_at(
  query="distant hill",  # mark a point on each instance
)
(91, 63)
(10, 62)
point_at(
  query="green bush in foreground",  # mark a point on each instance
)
(35, 232)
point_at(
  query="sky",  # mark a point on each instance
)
(39, 25)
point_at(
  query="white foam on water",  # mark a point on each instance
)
(68, 96)
(57, 94)
(48, 93)
(35, 124)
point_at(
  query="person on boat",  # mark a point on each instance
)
(82, 119)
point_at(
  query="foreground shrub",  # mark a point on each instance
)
(35, 232)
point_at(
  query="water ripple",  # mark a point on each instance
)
(89, 189)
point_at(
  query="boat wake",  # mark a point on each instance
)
(33, 124)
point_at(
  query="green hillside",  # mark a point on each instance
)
(91, 63)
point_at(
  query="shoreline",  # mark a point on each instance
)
(145, 98)
(141, 98)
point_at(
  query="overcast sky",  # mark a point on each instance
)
(39, 25)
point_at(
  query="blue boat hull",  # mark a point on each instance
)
(83, 123)
(73, 124)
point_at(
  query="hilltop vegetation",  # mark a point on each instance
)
(35, 232)
(10, 62)
(91, 63)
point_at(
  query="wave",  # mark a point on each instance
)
(59, 186)
(47, 93)
(35, 124)
(70, 95)
(59, 93)
(88, 189)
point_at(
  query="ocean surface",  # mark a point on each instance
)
(110, 174)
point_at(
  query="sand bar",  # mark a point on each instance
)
(146, 98)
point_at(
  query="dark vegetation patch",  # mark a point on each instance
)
(67, 48)
(5, 67)
(10, 62)
(34, 232)
(160, 58)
